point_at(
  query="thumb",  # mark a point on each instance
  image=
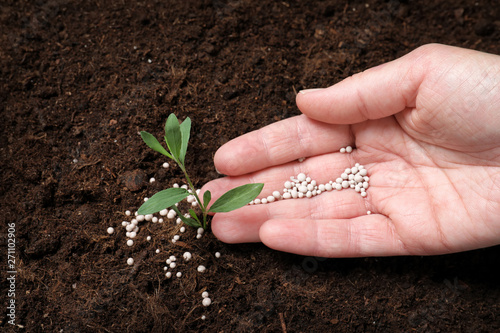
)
(375, 93)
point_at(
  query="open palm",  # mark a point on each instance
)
(425, 126)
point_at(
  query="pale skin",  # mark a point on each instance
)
(427, 128)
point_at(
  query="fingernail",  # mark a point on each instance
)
(218, 171)
(306, 91)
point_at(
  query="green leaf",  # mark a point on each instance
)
(185, 128)
(162, 200)
(236, 198)
(173, 135)
(152, 143)
(188, 221)
(193, 215)
(207, 196)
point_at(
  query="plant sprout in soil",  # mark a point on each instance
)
(177, 137)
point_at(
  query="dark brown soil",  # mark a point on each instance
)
(79, 79)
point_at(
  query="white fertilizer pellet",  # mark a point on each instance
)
(303, 186)
(206, 301)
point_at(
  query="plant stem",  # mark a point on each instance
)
(191, 186)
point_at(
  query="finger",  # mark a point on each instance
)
(368, 235)
(242, 225)
(375, 93)
(279, 143)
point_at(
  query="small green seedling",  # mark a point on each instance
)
(177, 137)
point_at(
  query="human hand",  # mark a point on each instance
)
(426, 127)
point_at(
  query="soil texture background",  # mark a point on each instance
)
(80, 79)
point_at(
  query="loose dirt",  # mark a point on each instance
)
(79, 79)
